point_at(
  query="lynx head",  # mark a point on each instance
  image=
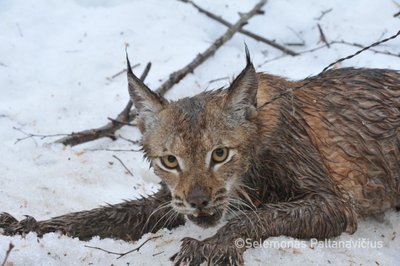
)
(199, 146)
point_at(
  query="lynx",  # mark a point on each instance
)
(307, 164)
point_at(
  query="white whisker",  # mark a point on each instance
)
(159, 208)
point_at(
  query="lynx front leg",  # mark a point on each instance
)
(128, 220)
(309, 218)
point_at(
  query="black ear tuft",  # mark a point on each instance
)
(248, 60)
(147, 103)
(128, 67)
(242, 94)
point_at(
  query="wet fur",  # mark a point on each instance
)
(317, 160)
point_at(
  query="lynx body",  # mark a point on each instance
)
(305, 164)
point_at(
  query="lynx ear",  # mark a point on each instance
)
(147, 103)
(243, 91)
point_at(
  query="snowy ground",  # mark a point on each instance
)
(56, 61)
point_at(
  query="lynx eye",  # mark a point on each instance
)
(169, 161)
(219, 155)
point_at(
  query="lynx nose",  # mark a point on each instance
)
(198, 198)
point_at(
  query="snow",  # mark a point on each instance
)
(56, 65)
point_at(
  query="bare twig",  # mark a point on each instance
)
(361, 46)
(121, 72)
(159, 253)
(313, 49)
(302, 42)
(218, 79)
(291, 90)
(120, 255)
(382, 35)
(271, 60)
(322, 37)
(300, 53)
(105, 131)
(397, 14)
(243, 31)
(295, 44)
(127, 115)
(30, 135)
(113, 150)
(360, 51)
(135, 142)
(323, 13)
(10, 247)
(122, 163)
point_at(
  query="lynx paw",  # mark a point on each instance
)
(194, 252)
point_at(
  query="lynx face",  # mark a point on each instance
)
(199, 146)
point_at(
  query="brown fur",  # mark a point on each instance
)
(306, 165)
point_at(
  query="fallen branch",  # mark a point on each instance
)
(127, 115)
(120, 255)
(10, 247)
(105, 131)
(243, 31)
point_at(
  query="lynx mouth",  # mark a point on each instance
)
(205, 219)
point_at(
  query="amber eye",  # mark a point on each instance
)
(219, 155)
(169, 161)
